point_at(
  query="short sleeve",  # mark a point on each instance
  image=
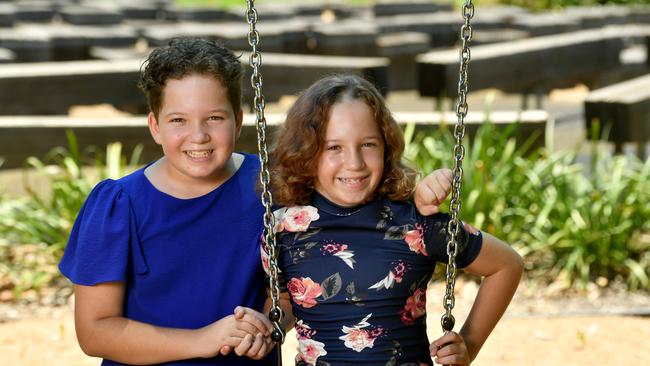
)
(103, 244)
(435, 239)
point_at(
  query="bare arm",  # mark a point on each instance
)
(501, 268)
(103, 331)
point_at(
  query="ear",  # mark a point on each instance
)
(239, 122)
(154, 128)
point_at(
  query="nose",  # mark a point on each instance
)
(354, 159)
(199, 133)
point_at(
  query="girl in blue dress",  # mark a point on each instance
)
(354, 254)
(151, 254)
(166, 261)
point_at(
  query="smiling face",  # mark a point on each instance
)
(351, 163)
(197, 129)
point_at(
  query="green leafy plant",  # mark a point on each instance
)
(35, 228)
(567, 221)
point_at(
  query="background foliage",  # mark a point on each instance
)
(34, 230)
(569, 221)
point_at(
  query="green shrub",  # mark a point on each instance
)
(566, 221)
(35, 229)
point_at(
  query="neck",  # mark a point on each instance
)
(166, 179)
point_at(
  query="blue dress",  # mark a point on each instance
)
(186, 262)
(358, 276)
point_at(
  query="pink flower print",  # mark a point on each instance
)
(333, 248)
(304, 291)
(362, 335)
(357, 339)
(415, 307)
(298, 218)
(396, 274)
(398, 271)
(309, 350)
(415, 241)
(340, 250)
(278, 217)
(304, 331)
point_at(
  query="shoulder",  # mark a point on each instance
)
(403, 209)
(251, 161)
(108, 188)
(132, 185)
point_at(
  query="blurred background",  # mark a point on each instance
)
(557, 144)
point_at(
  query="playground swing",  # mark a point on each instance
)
(255, 60)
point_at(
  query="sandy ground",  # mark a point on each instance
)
(527, 335)
(534, 341)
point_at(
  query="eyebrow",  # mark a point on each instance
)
(209, 112)
(364, 138)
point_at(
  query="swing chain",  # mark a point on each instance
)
(453, 228)
(255, 61)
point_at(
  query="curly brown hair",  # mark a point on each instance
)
(299, 142)
(188, 55)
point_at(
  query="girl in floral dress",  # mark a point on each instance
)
(354, 254)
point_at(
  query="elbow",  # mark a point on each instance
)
(88, 347)
(88, 343)
(517, 265)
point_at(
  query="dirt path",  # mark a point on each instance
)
(534, 341)
(523, 337)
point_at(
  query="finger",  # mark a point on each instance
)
(244, 345)
(455, 359)
(243, 327)
(447, 175)
(239, 312)
(257, 345)
(433, 349)
(264, 351)
(231, 342)
(441, 195)
(427, 209)
(451, 349)
(449, 337)
(444, 175)
(444, 186)
(225, 350)
(436, 194)
(259, 321)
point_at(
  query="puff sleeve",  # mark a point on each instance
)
(103, 245)
(435, 239)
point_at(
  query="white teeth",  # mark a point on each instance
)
(198, 154)
(351, 180)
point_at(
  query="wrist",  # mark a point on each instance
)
(472, 347)
(202, 347)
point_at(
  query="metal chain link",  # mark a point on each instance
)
(453, 228)
(255, 61)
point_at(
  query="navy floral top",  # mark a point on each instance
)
(358, 276)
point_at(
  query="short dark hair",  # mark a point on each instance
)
(185, 56)
(300, 141)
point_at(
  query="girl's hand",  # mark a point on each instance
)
(450, 349)
(432, 191)
(253, 346)
(229, 332)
